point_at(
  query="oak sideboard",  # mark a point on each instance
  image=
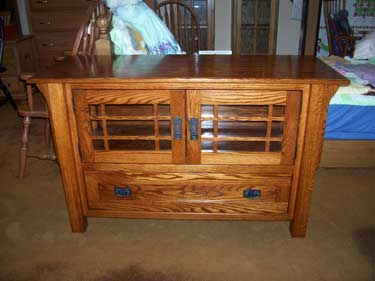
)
(189, 137)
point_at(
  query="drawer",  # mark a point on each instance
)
(47, 5)
(55, 21)
(191, 193)
(54, 43)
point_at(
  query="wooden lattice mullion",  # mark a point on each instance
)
(104, 124)
(269, 128)
(156, 127)
(216, 127)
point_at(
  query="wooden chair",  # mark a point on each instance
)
(3, 87)
(183, 23)
(92, 38)
(345, 43)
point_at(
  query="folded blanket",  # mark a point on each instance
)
(366, 71)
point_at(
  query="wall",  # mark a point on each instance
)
(223, 24)
(288, 31)
(23, 17)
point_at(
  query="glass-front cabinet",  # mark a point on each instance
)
(192, 127)
(254, 26)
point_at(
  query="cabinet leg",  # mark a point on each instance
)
(298, 229)
(78, 224)
(24, 146)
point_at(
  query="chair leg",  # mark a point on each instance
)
(47, 133)
(7, 95)
(24, 146)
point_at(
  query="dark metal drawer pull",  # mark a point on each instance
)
(252, 193)
(194, 129)
(123, 192)
(177, 128)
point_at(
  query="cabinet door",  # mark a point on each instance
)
(242, 126)
(131, 126)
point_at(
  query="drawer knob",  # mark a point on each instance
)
(252, 193)
(47, 22)
(123, 192)
(48, 44)
(42, 2)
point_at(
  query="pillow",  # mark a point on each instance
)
(365, 48)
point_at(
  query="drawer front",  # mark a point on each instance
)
(54, 44)
(26, 53)
(176, 193)
(55, 21)
(242, 126)
(46, 5)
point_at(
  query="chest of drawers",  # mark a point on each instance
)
(54, 23)
(189, 137)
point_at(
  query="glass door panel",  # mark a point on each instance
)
(131, 126)
(241, 127)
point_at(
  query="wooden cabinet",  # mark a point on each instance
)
(19, 57)
(189, 137)
(54, 24)
(254, 26)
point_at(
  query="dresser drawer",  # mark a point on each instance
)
(55, 21)
(47, 5)
(189, 193)
(54, 43)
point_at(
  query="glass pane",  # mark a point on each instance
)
(165, 145)
(96, 128)
(98, 145)
(275, 146)
(278, 111)
(131, 145)
(164, 110)
(264, 12)
(164, 128)
(241, 146)
(130, 128)
(207, 129)
(242, 129)
(243, 111)
(262, 40)
(94, 110)
(248, 41)
(277, 129)
(207, 146)
(207, 111)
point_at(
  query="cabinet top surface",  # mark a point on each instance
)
(190, 68)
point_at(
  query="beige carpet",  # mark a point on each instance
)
(36, 243)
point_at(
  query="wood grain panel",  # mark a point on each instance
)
(236, 97)
(193, 110)
(291, 124)
(129, 97)
(184, 196)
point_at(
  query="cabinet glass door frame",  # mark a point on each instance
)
(237, 6)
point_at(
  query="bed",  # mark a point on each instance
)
(350, 129)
